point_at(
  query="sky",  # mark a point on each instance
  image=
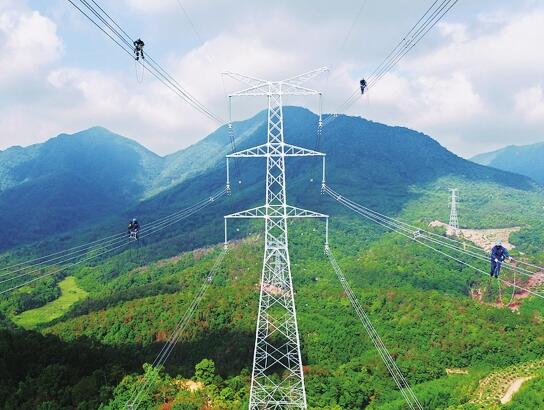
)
(475, 83)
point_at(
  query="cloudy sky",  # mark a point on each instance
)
(475, 83)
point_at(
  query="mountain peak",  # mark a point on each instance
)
(522, 159)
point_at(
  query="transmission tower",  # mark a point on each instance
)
(454, 221)
(277, 380)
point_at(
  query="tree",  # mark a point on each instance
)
(205, 371)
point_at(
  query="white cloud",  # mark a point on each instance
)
(28, 43)
(458, 32)
(530, 103)
(146, 111)
(436, 100)
(514, 47)
(446, 100)
(470, 83)
(155, 6)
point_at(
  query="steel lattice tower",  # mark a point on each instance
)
(454, 221)
(277, 380)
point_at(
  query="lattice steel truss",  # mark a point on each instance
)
(277, 380)
(454, 221)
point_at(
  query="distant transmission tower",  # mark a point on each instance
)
(454, 221)
(277, 380)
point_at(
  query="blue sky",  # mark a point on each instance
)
(475, 83)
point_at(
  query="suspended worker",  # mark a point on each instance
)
(139, 49)
(498, 254)
(133, 229)
(362, 83)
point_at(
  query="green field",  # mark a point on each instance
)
(70, 294)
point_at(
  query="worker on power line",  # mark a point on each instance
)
(362, 84)
(498, 254)
(139, 49)
(133, 229)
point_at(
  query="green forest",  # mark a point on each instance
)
(85, 335)
(97, 352)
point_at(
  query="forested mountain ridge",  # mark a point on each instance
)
(74, 181)
(69, 181)
(521, 159)
(418, 301)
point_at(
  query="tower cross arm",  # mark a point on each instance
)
(293, 89)
(294, 212)
(258, 151)
(286, 150)
(302, 78)
(294, 151)
(280, 88)
(275, 211)
(258, 212)
(256, 90)
(246, 79)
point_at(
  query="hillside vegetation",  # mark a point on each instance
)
(93, 355)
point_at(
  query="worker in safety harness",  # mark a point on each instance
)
(134, 229)
(362, 85)
(498, 254)
(139, 49)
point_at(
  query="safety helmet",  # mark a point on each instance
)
(498, 243)
(133, 219)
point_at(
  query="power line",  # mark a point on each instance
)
(431, 21)
(193, 27)
(94, 245)
(230, 128)
(15, 265)
(167, 349)
(119, 36)
(430, 18)
(401, 382)
(123, 40)
(416, 238)
(414, 231)
(399, 44)
(163, 224)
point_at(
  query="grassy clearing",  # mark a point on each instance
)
(70, 294)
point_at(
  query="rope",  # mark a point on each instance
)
(500, 292)
(139, 77)
(513, 290)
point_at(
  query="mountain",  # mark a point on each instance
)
(69, 181)
(197, 158)
(74, 181)
(521, 159)
(419, 302)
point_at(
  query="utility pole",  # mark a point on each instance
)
(454, 221)
(277, 380)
